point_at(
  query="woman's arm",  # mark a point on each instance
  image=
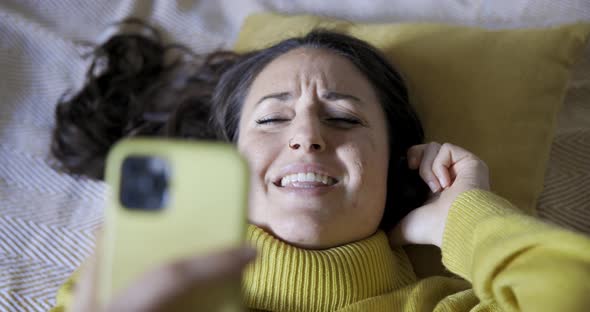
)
(514, 260)
(199, 282)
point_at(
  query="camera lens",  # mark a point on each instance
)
(144, 183)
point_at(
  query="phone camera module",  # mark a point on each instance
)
(144, 183)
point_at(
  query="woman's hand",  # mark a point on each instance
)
(449, 170)
(200, 279)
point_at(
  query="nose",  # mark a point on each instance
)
(307, 136)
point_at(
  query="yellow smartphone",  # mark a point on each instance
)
(170, 199)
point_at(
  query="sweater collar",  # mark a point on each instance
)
(287, 278)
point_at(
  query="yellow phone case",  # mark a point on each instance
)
(206, 210)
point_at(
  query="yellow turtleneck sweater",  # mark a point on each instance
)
(508, 262)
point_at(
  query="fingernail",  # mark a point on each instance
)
(433, 186)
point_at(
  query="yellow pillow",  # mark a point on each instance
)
(496, 93)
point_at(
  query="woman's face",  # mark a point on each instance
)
(315, 137)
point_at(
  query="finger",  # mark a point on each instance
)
(414, 155)
(170, 282)
(426, 166)
(444, 163)
(441, 164)
(213, 266)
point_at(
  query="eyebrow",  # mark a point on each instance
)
(330, 96)
(279, 96)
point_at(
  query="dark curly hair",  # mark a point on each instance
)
(137, 86)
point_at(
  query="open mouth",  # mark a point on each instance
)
(306, 180)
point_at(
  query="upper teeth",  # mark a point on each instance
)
(307, 177)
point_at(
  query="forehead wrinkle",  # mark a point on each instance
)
(313, 66)
(314, 79)
(311, 72)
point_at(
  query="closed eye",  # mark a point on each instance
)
(349, 121)
(346, 120)
(270, 120)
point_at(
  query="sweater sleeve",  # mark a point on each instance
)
(514, 260)
(65, 294)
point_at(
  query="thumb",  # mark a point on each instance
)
(415, 228)
(194, 277)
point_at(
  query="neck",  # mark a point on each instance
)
(285, 277)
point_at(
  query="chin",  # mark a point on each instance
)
(312, 210)
(307, 232)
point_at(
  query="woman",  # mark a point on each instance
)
(337, 161)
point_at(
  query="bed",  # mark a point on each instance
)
(48, 219)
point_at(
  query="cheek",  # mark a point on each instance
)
(366, 161)
(259, 152)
